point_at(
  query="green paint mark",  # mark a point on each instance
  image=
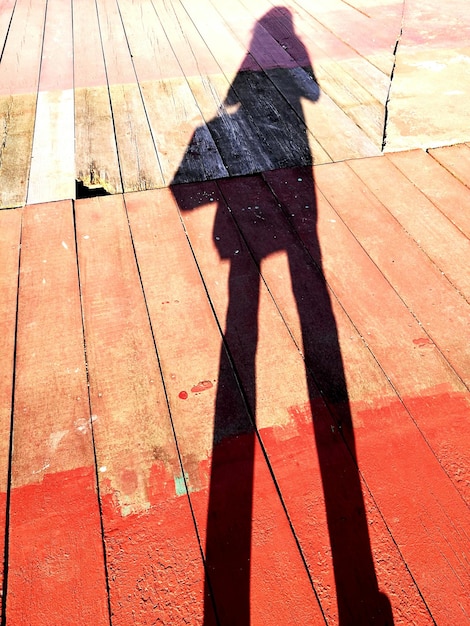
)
(180, 484)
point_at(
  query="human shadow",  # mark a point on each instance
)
(267, 131)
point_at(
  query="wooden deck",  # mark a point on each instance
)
(234, 313)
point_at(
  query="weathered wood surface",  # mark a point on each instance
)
(152, 88)
(52, 171)
(242, 399)
(19, 73)
(266, 386)
(54, 553)
(10, 233)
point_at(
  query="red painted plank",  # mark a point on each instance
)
(225, 45)
(246, 535)
(357, 30)
(396, 338)
(55, 552)
(444, 190)
(297, 432)
(439, 307)
(19, 70)
(153, 57)
(440, 240)
(393, 455)
(155, 568)
(267, 233)
(256, 37)
(10, 232)
(456, 159)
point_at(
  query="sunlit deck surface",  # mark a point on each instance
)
(234, 312)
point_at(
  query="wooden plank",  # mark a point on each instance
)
(53, 159)
(155, 569)
(286, 409)
(10, 237)
(292, 84)
(224, 44)
(320, 118)
(404, 453)
(234, 134)
(441, 241)
(140, 165)
(438, 184)
(7, 9)
(96, 159)
(232, 491)
(255, 36)
(19, 71)
(456, 159)
(167, 96)
(414, 366)
(345, 90)
(439, 307)
(356, 30)
(55, 550)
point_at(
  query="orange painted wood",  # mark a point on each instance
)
(442, 311)
(10, 233)
(246, 535)
(139, 161)
(456, 159)
(155, 569)
(96, 159)
(444, 190)
(19, 72)
(294, 426)
(431, 231)
(393, 456)
(399, 342)
(53, 159)
(56, 572)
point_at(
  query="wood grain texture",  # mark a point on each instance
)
(341, 262)
(96, 158)
(443, 189)
(232, 490)
(456, 159)
(52, 160)
(55, 553)
(19, 73)
(152, 547)
(10, 238)
(320, 330)
(139, 161)
(433, 232)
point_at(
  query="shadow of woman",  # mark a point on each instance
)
(267, 131)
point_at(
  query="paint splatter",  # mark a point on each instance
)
(423, 341)
(183, 395)
(202, 386)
